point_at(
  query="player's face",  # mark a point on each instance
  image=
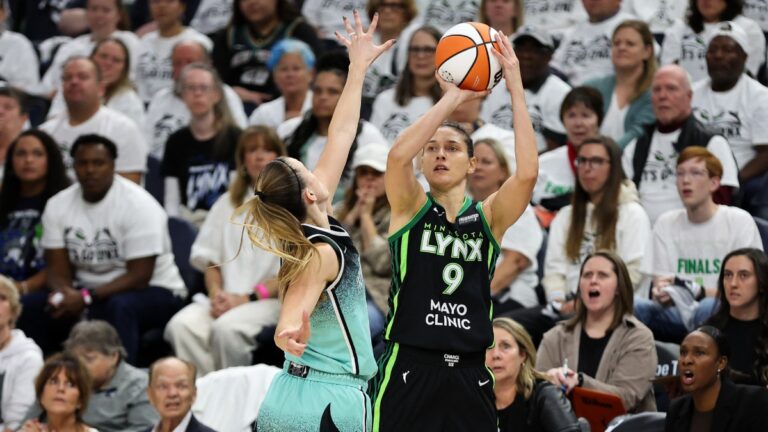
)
(628, 50)
(445, 159)
(489, 175)
(580, 123)
(421, 55)
(291, 75)
(699, 362)
(326, 92)
(30, 160)
(694, 185)
(506, 358)
(670, 96)
(199, 92)
(597, 285)
(740, 283)
(594, 168)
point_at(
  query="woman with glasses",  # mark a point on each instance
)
(199, 158)
(416, 91)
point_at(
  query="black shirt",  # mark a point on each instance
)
(590, 352)
(515, 416)
(21, 254)
(742, 337)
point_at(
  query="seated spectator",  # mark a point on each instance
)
(34, 173)
(685, 42)
(604, 347)
(558, 20)
(514, 282)
(241, 50)
(585, 51)
(544, 91)
(14, 116)
(741, 315)
(712, 401)
(172, 392)
(167, 112)
(365, 214)
(63, 389)
(325, 16)
(108, 254)
(85, 115)
(735, 106)
(305, 137)
(688, 246)
(112, 59)
(581, 114)
(104, 18)
(119, 399)
(20, 361)
(210, 16)
(505, 16)
(19, 66)
(525, 400)
(154, 71)
(650, 160)
(626, 92)
(292, 66)
(396, 21)
(659, 14)
(444, 14)
(199, 157)
(416, 90)
(467, 116)
(41, 22)
(222, 333)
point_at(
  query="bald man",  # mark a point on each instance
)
(651, 160)
(172, 392)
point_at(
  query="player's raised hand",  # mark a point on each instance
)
(359, 42)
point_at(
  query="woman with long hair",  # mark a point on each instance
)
(199, 158)
(241, 296)
(742, 316)
(627, 92)
(712, 401)
(685, 42)
(34, 172)
(416, 90)
(525, 399)
(444, 249)
(63, 389)
(502, 15)
(602, 346)
(322, 327)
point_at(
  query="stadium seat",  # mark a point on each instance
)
(668, 355)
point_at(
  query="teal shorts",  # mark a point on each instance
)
(309, 400)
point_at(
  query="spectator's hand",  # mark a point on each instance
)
(365, 200)
(359, 42)
(219, 304)
(71, 305)
(33, 426)
(566, 381)
(296, 339)
(568, 307)
(658, 295)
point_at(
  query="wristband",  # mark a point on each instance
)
(262, 291)
(253, 297)
(87, 298)
(581, 379)
(24, 287)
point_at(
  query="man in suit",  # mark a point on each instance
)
(172, 392)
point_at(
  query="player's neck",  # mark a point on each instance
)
(451, 200)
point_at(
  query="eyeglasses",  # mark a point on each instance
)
(694, 173)
(421, 49)
(593, 162)
(194, 88)
(393, 6)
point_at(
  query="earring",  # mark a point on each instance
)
(718, 372)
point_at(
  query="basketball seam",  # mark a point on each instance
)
(490, 39)
(476, 47)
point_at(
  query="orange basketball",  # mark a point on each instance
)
(464, 56)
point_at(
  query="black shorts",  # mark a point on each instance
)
(424, 390)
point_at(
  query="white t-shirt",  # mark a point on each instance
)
(613, 122)
(525, 237)
(739, 114)
(585, 53)
(131, 147)
(757, 10)
(83, 46)
(212, 16)
(384, 72)
(218, 242)
(18, 61)
(504, 136)
(543, 108)
(658, 14)
(556, 176)
(314, 148)
(658, 187)
(554, 15)
(154, 71)
(325, 15)
(391, 119)
(127, 102)
(102, 237)
(633, 232)
(272, 113)
(696, 250)
(167, 113)
(444, 14)
(688, 49)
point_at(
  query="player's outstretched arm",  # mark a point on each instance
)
(506, 205)
(343, 127)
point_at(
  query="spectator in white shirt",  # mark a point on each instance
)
(18, 60)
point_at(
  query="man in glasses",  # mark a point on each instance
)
(650, 160)
(688, 247)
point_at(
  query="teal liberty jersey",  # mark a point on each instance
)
(440, 297)
(340, 342)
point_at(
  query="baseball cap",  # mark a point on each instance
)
(373, 155)
(539, 34)
(732, 30)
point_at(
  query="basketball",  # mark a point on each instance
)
(464, 57)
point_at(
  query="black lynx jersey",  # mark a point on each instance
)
(440, 297)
